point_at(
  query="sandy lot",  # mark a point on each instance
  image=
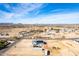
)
(24, 48)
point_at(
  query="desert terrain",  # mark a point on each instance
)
(62, 40)
(25, 48)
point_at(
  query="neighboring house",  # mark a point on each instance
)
(4, 35)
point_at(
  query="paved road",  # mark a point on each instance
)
(6, 49)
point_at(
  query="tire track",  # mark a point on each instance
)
(71, 47)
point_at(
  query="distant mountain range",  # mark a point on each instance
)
(6, 24)
(27, 25)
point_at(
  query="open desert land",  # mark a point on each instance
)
(25, 48)
(62, 41)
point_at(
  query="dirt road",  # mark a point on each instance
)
(24, 48)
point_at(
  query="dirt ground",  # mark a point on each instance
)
(24, 48)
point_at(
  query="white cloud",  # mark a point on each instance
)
(5, 15)
(56, 18)
(20, 11)
(26, 8)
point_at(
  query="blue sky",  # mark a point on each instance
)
(39, 13)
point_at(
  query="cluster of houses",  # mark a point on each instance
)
(60, 32)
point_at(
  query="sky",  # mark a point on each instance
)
(39, 13)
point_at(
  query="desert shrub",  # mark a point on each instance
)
(3, 43)
(16, 38)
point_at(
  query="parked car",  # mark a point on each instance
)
(38, 43)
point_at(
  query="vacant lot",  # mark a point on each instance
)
(24, 48)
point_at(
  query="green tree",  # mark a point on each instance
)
(3, 43)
